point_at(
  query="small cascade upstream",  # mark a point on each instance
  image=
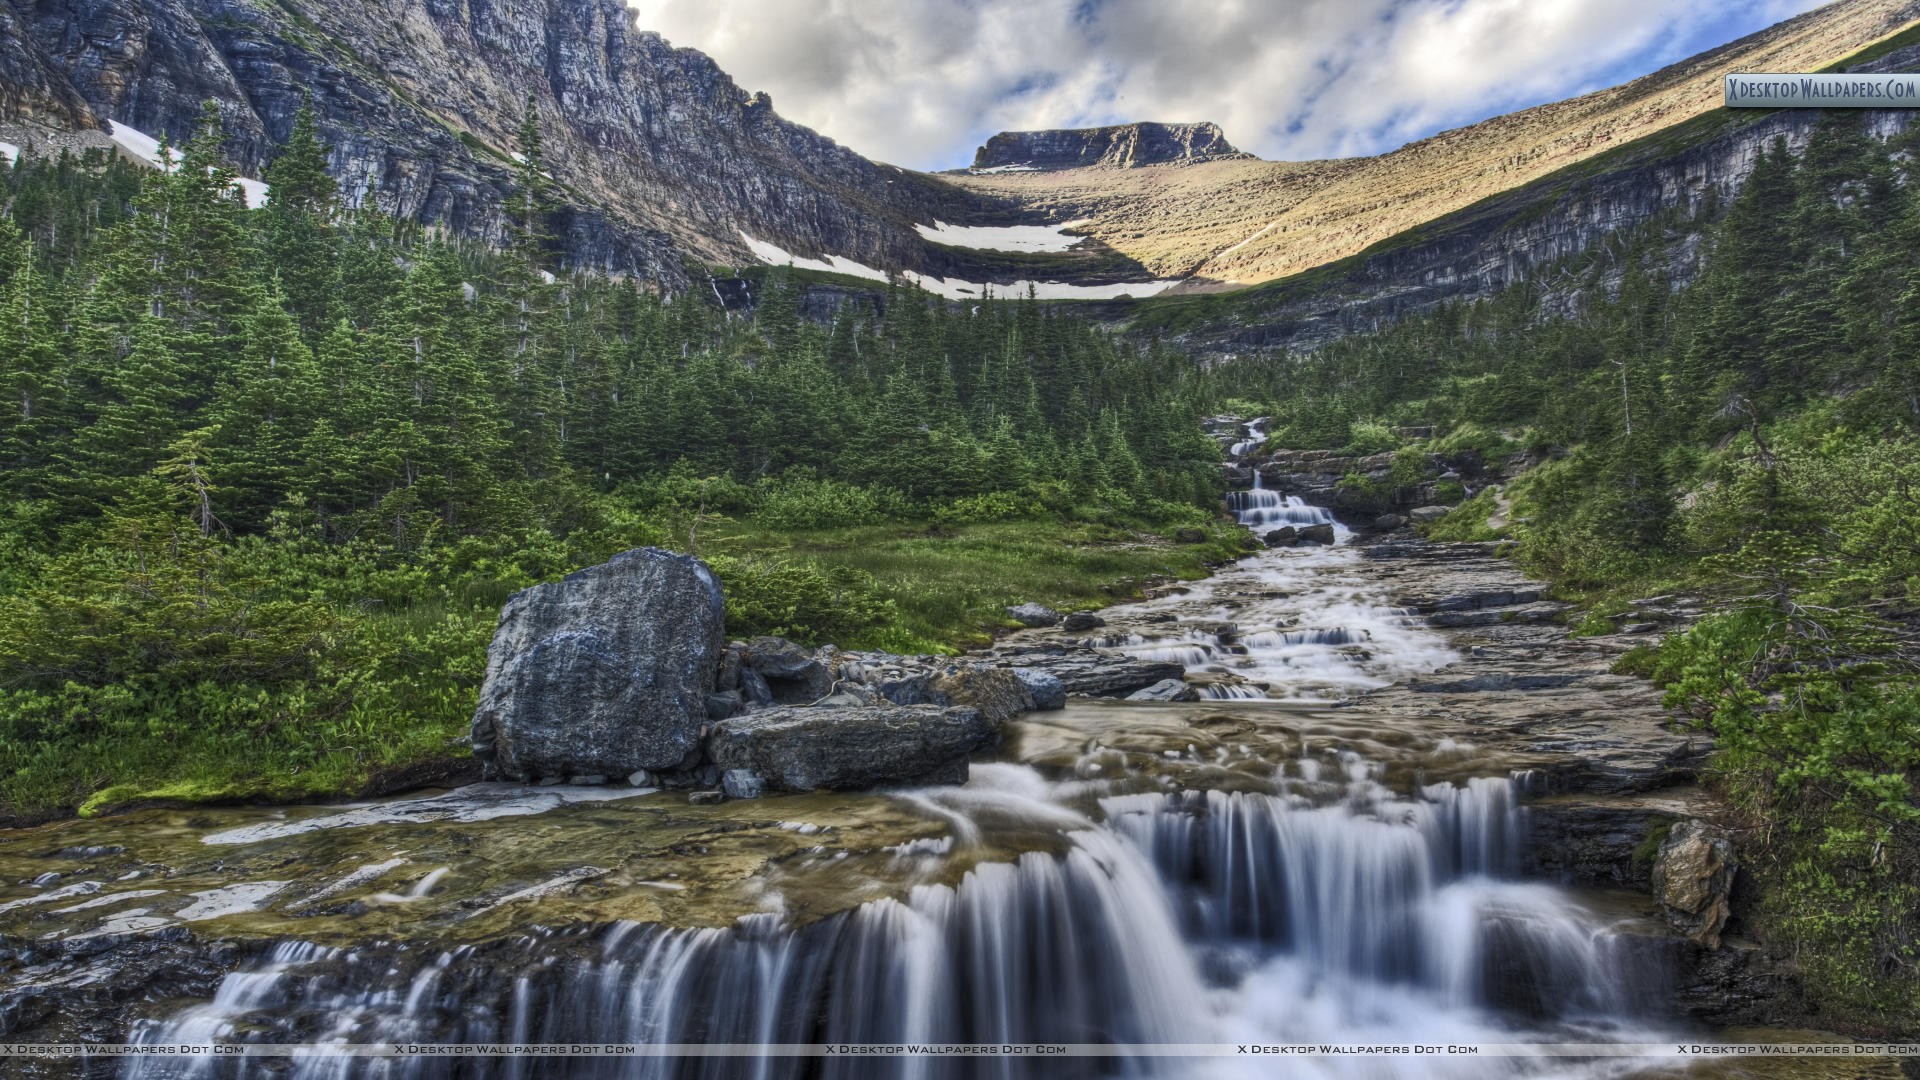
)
(1299, 624)
(1260, 509)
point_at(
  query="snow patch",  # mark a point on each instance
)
(254, 191)
(10, 152)
(147, 149)
(1003, 237)
(140, 144)
(110, 898)
(78, 888)
(956, 289)
(832, 264)
(1005, 169)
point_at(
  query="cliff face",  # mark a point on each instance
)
(661, 156)
(1124, 146)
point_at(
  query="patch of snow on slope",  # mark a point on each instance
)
(1004, 169)
(10, 152)
(147, 148)
(255, 192)
(956, 289)
(1003, 237)
(139, 143)
(833, 264)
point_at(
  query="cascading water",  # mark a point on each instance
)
(1260, 509)
(1300, 913)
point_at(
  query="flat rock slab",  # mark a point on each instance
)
(1087, 671)
(603, 672)
(475, 802)
(851, 749)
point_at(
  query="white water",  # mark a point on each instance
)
(1315, 912)
(1301, 624)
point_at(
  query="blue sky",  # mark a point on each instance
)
(921, 83)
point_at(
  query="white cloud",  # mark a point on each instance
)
(921, 82)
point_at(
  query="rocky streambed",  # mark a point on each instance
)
(1364, 790)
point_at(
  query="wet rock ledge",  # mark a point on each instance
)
(1615, 800)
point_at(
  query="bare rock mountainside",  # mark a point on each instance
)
(660, 156)
(672, 172)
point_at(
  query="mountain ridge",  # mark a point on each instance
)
(671, 172)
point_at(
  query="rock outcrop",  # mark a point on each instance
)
(1123, 146)
(1693, 879)
(801, 749)
(602, 673)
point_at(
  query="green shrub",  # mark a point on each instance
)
(992, 506)
(1370, 437)
(797, 501)
(801, 600)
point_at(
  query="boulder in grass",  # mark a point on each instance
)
(1033, 615)
(604, 672)
(851, 749)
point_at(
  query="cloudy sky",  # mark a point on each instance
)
(922, 82)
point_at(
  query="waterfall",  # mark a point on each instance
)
(1259, 508)
(1178, 917)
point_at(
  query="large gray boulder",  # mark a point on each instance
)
(1316, 534)
(606, 671)
(849, 749)
(1047, 689)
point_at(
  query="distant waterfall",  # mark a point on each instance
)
(1132, 935)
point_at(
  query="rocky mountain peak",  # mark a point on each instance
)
(1123, 146)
